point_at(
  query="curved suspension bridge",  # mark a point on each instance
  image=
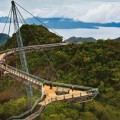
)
(50, 91)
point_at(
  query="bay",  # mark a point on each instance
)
(101, 33)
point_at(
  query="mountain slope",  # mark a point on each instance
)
(33, 35)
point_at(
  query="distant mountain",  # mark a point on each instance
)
(3, 38)
(80, 39)
(3, 19)
(65, 23)
(61, 23)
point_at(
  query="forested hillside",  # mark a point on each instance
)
(80, 39)
(90, 64)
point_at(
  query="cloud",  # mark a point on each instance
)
(101, 11)
(65, 11)
(1, 13)
(102, 14)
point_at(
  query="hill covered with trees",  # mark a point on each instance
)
(95, 64)
(80, 39)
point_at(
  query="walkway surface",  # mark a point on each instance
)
(52, 96)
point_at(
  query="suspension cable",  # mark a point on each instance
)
(9, 27)
(6, 23)
(10, 24)
(39, 20)
(23, 20)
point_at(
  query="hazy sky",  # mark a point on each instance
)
(80, 10)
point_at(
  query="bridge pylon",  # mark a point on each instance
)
(20, 46)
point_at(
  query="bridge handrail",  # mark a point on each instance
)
(53, 83)
(33, 46)
(25, 73)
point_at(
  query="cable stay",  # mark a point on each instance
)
(7, 21)
(38, 19)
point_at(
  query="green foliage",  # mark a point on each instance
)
(12, 108)
(91, 64)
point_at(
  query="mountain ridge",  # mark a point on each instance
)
(66, 23)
